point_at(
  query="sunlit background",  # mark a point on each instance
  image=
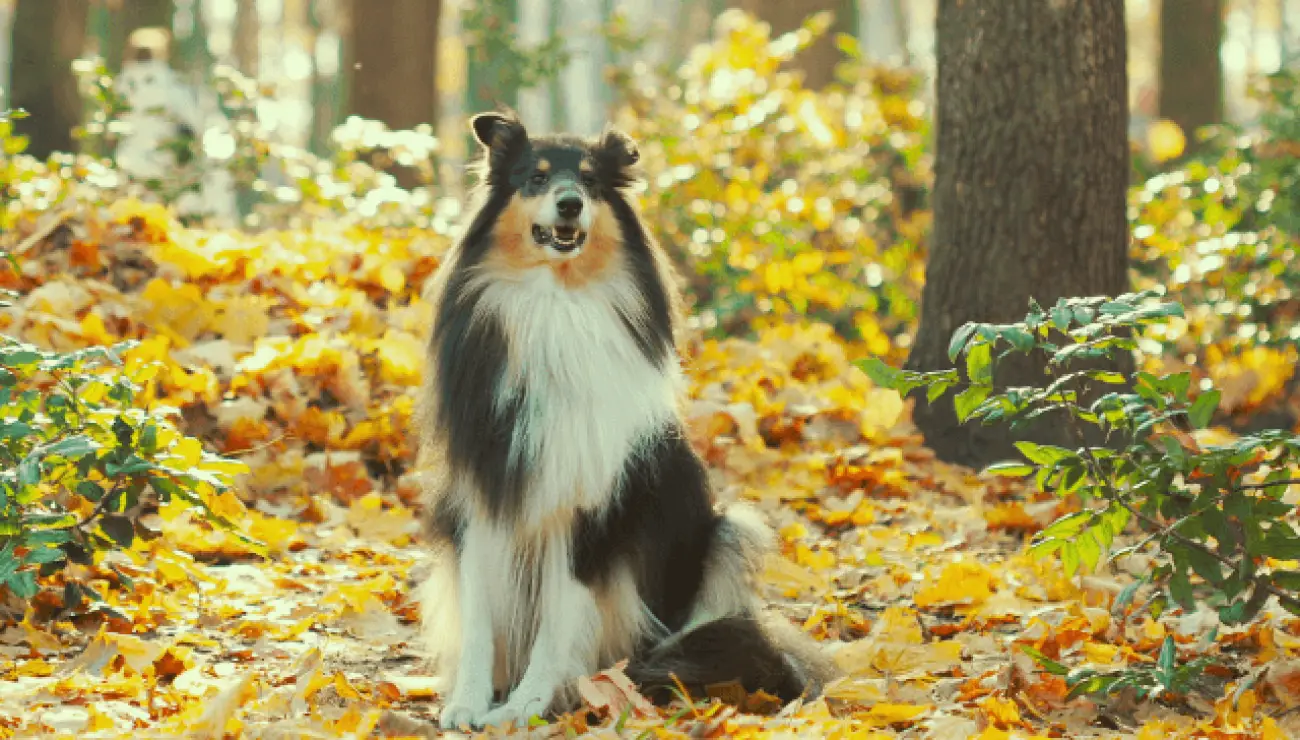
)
(299, 50)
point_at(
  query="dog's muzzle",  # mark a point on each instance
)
(566, 234)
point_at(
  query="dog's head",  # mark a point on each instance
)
(560, 187)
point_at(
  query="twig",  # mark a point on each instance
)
(261, 445)
(42, 233)
(1259, 581)
(98, 511)
(1258, 486)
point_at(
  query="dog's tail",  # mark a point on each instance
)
(761, 653)
(730, 638)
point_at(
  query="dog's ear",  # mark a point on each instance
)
(618, 155)
(619, 148)
(496, 130)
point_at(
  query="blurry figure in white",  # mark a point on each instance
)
(166, 135)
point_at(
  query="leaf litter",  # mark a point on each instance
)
(298, 353)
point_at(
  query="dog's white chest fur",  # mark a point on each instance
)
(590, 394)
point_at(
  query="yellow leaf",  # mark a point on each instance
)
(1001, 712)
(1166, 140)
(893, 714)
(401, 355)
(242, 319)
(961, 582)
(392, 278)
(1100, 652)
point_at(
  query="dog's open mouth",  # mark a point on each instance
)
(561, 238)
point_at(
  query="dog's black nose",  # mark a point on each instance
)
(569, 206)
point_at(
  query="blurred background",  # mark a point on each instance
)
(789, 146)
(409, 63)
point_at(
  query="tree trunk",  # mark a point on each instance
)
(393, 51)
(819, 60)
(246, 44)
(1031, 174)
(48, 36)
(392, 66)
(1191, 74)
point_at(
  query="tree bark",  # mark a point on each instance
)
(246, 46)
(392, 66)
(393, 54)
(819, 60)
(1191, 73)
(1031, 174)
(48, 36)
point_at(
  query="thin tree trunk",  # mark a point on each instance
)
(818, 61)
(49, 35)
(393, 64)
(1191, 73)
(1031, 173)
(393, 53)
(246, 44)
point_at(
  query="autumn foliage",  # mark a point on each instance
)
(256, 585)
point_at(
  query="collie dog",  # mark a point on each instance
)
(574, 524)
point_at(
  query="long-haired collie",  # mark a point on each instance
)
(575, 524)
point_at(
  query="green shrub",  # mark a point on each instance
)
(1212, 516)
(81, 463)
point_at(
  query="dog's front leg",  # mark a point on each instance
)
(566, 644)
(471, 696)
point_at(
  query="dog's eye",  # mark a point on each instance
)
(538, 178)
(588, 180)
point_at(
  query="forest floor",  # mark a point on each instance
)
(916, 570)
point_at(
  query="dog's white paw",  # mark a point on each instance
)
(457, 714)
(519, 708)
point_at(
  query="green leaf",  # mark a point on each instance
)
(42, 555)
(1168, 654)
(1115, 308)
(1044, 454)
(1205, 565)
(883, 375)
(1070, 558)
(8, 563)
(970, 399)
(72, 447)
(1068, 526)
(936, 391)
(1092, 685)
(979, 364)
(22, 585)
(1106, 376)
(1203, 408)
(1126, 595)
(118, 528)
(1044, 662)
(1180, 588)
(1089, 550)
(1061, 317)
(1022, 340)
(1009, 469)
(959, 339)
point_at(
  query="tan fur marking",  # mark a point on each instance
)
(512, 237)
(600, 255)
(515, 249)
(585, 167)
(543, 165)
